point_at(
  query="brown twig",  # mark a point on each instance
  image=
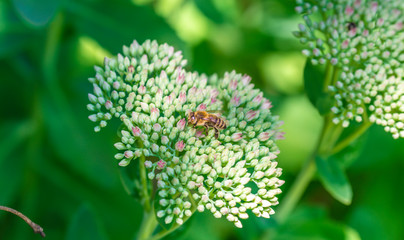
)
(34, 226)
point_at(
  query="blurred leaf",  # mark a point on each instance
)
(208, 8)
(12, 136)
(37, 12)
(334, 179)
(11, 176)
(367, 223)
(114, 23)
(313, 84)
(73, 146)
(317, 230)
(130, 179)
(84, 226)
(13, 33)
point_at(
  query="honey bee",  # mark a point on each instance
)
(203, 118)
(351, 25)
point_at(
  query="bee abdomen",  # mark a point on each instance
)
(221, 123)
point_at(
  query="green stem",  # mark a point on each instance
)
(303, 179)
(296, 191)
(148, 226)
(348, 140)
(144, 181)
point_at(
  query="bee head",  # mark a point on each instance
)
(191, 118)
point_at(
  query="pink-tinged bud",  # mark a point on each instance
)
(92, 98)
(237, 136)
(182, 98)
(116, 85)
(128, 154)
(258, 98)
(235, 101)
(279, 124)
(199, 134)
(264, 136)
(246, 80)
(157, 127)
(213, 100)
(345, 44)
(161, 164)
(233, 84)
(349, 11)
(179, 146)
(108, 104)
(266, 104)
(380, 22)
(352, 32)
(180, 78)
(280, 135)
(148, 164)
(201, 107)
(365, 33)
(251, 115)
(181, 124)
(163, 74)
(142, 89)
(373, 6)
(136, 131)
(214, 93)
(154, 113)
(357, 3)
(131, 69)
(192, 91)
(399, 26)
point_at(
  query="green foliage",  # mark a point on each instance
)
(314, 87)
(334, 179)
(61, 174)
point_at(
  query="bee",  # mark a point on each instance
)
(351, 25)
(203, 118)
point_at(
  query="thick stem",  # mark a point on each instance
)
(296, 191)
(304, 177)
(148, 226)
(145, 185)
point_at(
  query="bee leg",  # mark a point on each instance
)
(216, 133)
(206, 129)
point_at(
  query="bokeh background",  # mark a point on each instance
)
(57, 171)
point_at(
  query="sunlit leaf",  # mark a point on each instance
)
(334, 179)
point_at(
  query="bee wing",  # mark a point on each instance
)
(216, 112)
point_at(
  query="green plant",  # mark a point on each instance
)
(174, 169)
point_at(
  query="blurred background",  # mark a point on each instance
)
(61, 174)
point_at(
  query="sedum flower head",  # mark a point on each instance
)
(364, 41)
(150, 92)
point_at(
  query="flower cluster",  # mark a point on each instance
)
(364, 42)
(150, 92)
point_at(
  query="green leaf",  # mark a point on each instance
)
(130, 179)
(13, 134)
(317, 230)
(313, 84)
(84, 226)
(209, 9)
(37, 13)
(113, 23)
(13, 33)
(334, 179)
